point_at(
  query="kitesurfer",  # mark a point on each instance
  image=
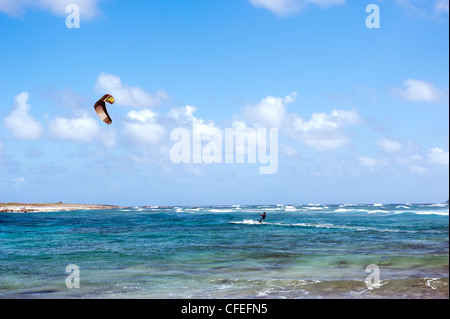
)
(263, 216)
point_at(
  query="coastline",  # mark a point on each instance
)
(49, 207)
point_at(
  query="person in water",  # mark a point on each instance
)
(263, 217)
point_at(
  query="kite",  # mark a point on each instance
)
(100, 108)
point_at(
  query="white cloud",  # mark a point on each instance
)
(441, 6)
(278, 7)
(88, 8)
(183, 115)
(438, 156)
(388, 145)
(324, 132)
(326, 3)
(371, 162)
(420, 91)
(83, 129)
(143, 116)
(269, 113)
(430, 9)
(20, 123)
(287, 7)
(143, 127)
(127, 95)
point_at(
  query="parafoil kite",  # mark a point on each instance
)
(100, 108)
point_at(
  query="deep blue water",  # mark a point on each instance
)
(304, 251)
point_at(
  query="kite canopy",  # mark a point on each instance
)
(100, 108)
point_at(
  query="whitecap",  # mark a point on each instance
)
(247, 222)
(439, 205)
(378, 211)
(432, 213)
(316, 208)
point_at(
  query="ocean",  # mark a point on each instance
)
(223, 252)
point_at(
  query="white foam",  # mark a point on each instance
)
(377, 211)
(430, 282)
(432, 213)
(247, 222)
(316, 208)
(438, 205)
(220, 210)
(320, 225)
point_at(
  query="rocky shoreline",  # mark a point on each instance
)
(48, 207)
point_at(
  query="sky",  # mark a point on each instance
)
(360, 110)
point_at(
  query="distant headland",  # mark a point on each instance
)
(48, 207)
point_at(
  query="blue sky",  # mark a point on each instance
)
(362, 114)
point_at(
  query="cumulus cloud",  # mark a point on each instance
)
(82, 129)
(184, 117)
(438, 156)
(420, 91)
(88, 8)
(324, 132)
(127, 95)
(287, 7)
(143, 128)
(21, 124)
(270, 112)
(77, 129)
(278, 7)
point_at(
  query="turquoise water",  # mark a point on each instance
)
(299, 251)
